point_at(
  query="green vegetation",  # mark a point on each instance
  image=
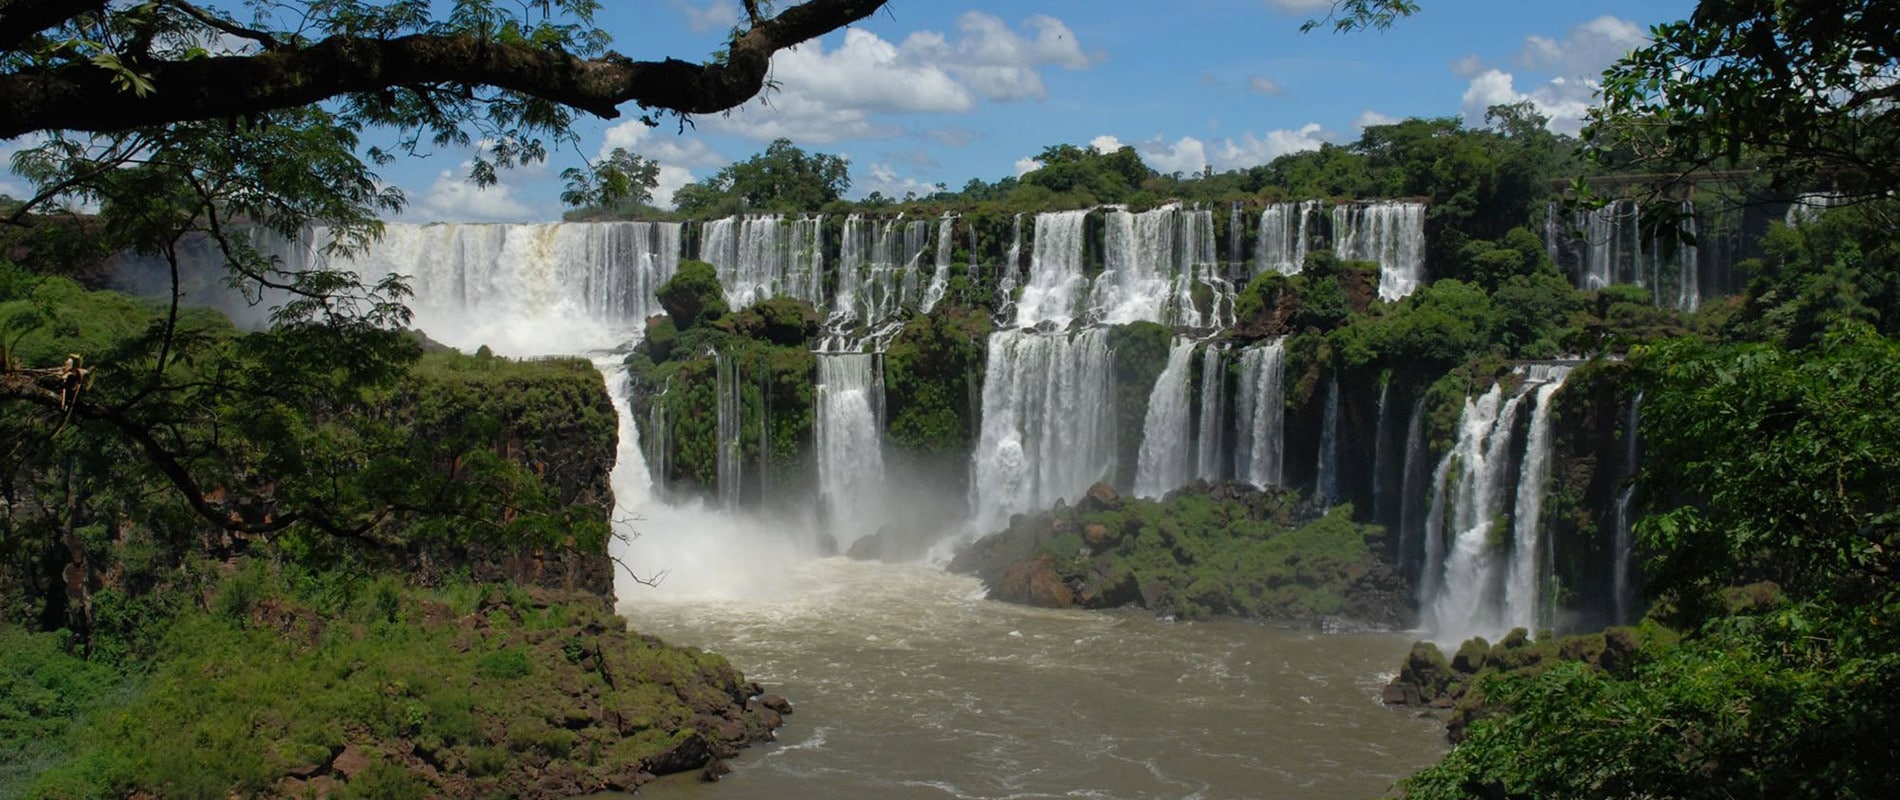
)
(297, 681)
(676, 373)
(783, 178)
(933, 378)
(1231, 551)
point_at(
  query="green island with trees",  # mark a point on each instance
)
(325, 556)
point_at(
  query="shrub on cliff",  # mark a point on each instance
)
(693, 295)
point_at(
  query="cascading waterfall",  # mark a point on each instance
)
(658, 442)
(1378, 457)
(1451, 595)
(519, 289)
(870, 287)
(1689, 284)
(1389, 233)
(1622, 577)
(940, 278)
(761, 256)
(1236, 229)
(1613, 250)
(916, 240)
(1048, 422)
(1283, 237)
(1490, 582)
(1210, 466)
(1056, 285)
(1523, 598)
(1164, 459)
(1198, 279)
(1011, 273)
(1411, 486)
(731, 462)
(1327, 489)
(1138, 253)
(1260, 419)
(850, 396)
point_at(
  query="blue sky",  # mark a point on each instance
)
(932, 91)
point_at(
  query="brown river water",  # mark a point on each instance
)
(907, 683)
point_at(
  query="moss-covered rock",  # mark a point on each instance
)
(1205, 551)
(465, 692)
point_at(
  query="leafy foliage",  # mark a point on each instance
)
(1805, 89)
(783, 178)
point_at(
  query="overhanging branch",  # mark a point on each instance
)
(82, 97)
(21, 20)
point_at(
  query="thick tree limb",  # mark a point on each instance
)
(82, 97)
(21, 20)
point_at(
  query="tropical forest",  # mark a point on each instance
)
(1549, 448)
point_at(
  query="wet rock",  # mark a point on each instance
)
(714, 770)
(776, 702)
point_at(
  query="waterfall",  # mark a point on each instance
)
(849, 432)
(1010, 275)
(1452, 594)
(1163, 464)
(1410, 488)
(1048, 422)
(1689, 281)
(1327, 484)
(1622, 577)
(1260, 419)
(1523, 595)
(1056, 285)
(1210, 466)
(1138, 261)
(916, 240)
(659, 443)
(1614, 250)
(1490, 581)
(1391, 234)
(522, 290)
(940, 278)
(1199, 271)
(874, 270)
(1283, 235)
(1236, 233)
(1378, 458)
(761, 256)
(731, 463)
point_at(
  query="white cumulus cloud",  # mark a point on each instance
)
(1572, 63)
(1370, 118)
(452, 198)
(828, 95)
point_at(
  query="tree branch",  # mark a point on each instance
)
(83, 97)
(21, 20)
(209, 19)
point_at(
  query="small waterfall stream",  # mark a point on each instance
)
(1327, 488)
(850, 396)
(1260, 418)
(1211, 464)
(1164, 461)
